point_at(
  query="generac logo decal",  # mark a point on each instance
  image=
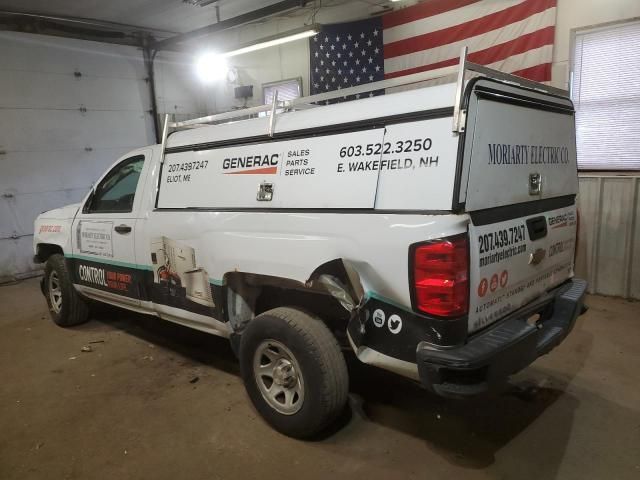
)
(562, 220)
(50, 229)
(251, 165)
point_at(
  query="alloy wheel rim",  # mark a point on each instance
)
(278, 376)
(55, 292)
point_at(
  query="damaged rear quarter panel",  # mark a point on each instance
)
(223, 243)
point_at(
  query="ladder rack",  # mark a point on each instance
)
(313, 101)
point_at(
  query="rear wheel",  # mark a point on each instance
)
(294, 371)
(65, 305)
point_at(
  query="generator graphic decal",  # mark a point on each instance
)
(177, 280)
(173, 279)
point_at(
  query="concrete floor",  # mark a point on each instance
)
(153, 400)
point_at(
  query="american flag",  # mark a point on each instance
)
(513, 36)
(347, 54)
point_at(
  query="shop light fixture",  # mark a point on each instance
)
(278, 39)
(211, 66)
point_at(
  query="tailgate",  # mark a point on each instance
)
(518, 183)
(514, 261)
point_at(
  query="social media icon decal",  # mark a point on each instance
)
(378, 318)
(395, 324)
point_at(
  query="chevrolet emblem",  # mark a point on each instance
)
(536, 257)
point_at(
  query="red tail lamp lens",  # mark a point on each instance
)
(441, 277)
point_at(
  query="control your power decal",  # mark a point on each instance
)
(104, 278)
(110, 278)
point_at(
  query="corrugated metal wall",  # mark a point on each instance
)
(609, 242)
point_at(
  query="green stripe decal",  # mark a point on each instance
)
(376, 296)
(111, 262)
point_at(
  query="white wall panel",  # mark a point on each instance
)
(178, 91)
(573, 14)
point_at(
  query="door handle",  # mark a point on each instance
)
(122, 229)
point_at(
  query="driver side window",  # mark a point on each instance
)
(116, 191)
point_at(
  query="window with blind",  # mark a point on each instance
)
(605, 88)
(287, 90)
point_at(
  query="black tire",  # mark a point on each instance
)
(319, 359)
(73, 309)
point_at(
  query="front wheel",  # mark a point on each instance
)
(294, 371)
(65, 305)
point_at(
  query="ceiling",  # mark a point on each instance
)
(122, 21)
(162, 16)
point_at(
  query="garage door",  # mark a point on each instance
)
(69, 109)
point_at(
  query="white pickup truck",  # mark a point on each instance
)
(431, 232)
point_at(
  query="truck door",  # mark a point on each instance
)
(103, 261)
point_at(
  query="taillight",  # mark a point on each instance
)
(441, 276)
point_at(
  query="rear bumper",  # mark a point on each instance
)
(489, 357)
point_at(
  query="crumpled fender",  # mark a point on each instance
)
(339, 278)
